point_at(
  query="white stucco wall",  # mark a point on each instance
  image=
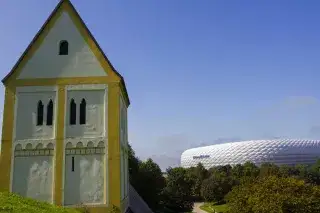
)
(47, 63)
(84, 184)
(27, 99)
(32, 177)
(95, 109)
(31, 174)
(87, 144)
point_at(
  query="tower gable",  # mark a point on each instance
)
(81, 57)
(63, 52)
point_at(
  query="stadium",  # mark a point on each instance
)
(277, 151)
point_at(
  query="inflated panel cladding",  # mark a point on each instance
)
(26, 115)
(95, 104)
(279, 151)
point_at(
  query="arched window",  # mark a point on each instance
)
(40, 114)
(63, 48)
(73, 112)
(83, 111)
(50, 113)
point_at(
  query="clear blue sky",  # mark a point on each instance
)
(197, 72)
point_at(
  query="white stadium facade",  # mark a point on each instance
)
(277, 151)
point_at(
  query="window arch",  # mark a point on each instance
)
(50, 113)
(63, 48)
(40, 114)
(73, 112)
(83, 111)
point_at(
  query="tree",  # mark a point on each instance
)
(237, 171)
(316, 167)
(267, 169)
(197, 174)
(216, 187)
(133, 164)
(226, 170)
(286, 171)
(250, 170)
(177, 193)
(315, 171)
(151, 183)
(147, 179)
(274, 194)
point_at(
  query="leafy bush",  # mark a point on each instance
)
(274, 194)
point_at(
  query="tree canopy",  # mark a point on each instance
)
(246, 188)
(274, 194)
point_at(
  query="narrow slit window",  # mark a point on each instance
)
(63, 48)
(50, 113)
(72, 164)
(73, 112)
(83, 111)
(40, 114)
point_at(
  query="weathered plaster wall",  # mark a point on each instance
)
(47, 63)
(27, 99)
(85, 153)
(84, 175)
(95, 119)
(32, 173)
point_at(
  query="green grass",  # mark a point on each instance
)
(210, 207)
(12, 203)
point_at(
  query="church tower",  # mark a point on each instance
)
(64, 134)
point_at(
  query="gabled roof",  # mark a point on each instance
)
(83, 25)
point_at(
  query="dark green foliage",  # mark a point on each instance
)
(237, 171)
(172, 194)
(267, 169)
(147, 179)
(250, 170)
(316, 167)
(247, 188)
(217, 186)
(151, 183)
(197, 174)
(177, 193)
(134, 164)
(286, 171)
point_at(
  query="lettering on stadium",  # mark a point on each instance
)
(201, 156)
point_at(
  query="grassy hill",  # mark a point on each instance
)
(12, 203)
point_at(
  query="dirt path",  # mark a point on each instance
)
(196, 208)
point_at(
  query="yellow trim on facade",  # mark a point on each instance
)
(114, 144)
(59, 148)
(125, 97)
(6, 142)
(34, 47)
(62, 81)
(65, 7)
(116, 87)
